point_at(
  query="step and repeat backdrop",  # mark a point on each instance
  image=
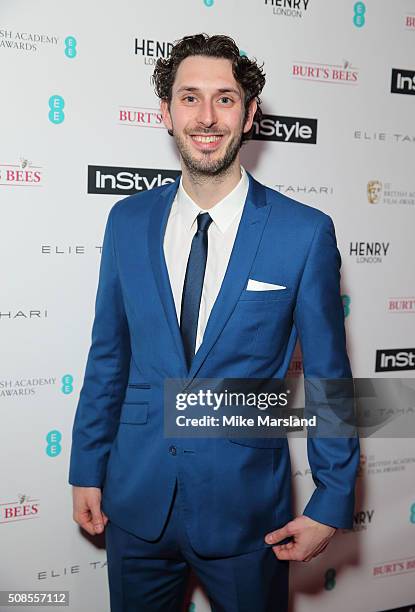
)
(80, 128)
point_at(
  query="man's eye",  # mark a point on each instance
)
(225, 99)
(190, 98)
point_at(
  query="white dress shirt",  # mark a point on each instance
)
(180, 229)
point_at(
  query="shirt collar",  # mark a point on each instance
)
(222, 213)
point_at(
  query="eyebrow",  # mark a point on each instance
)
(220, 90)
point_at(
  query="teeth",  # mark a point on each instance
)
(205, 138)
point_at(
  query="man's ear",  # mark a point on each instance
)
(165, 113)
(251, 114)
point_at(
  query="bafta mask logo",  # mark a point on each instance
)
(374, 192)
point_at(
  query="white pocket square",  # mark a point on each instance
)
(254, 285)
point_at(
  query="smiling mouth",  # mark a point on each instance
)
(206, 139)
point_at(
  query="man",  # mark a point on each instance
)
(213, 276)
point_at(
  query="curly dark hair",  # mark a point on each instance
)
(247, 72)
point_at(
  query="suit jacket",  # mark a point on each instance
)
(234, 491)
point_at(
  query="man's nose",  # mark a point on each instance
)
(207, 114)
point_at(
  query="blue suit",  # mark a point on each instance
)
(234, 491)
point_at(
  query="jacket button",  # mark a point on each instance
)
(173, 450)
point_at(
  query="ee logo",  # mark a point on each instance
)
(53, 439)
(70, 47)
(359, 14)
(330, 579)
(208, 3)
(412, 516)
(56, 105)
(346, 305)
(67, 384)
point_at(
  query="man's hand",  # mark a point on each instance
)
(309, 539)
(87, 509)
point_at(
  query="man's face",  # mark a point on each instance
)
(206, 114)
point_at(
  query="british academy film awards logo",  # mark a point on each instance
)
(24, 173)
(389, 194)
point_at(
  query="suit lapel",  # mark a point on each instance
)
(157, 227)
(251, 226)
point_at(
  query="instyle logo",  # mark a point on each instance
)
(151, 50)
(278, 128)
(113, 180)
(403, 81)
(140, 117)
(288, 8)
(395, 360)
(404, 305)
(345, 73)
(23, 508)
(24, 173)
(369, 252)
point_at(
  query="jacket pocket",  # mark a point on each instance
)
(134, 413)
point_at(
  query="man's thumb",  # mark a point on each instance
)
(97, 521)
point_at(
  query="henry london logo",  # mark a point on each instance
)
(24, 173)
(403, 81)
(344, 73)
(21, 509)
(26, 41)
(140, 117)
(151, 50)
(403, 305)
(114, 180)
(386, 193)
(288, 8)
(369, 252)
(395, 360)
(278, 128)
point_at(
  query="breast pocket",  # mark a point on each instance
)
(265, 296)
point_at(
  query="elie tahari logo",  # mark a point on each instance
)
(113, 180)
(23, 508)
(286, 129)
(395, 360)
(403, 81)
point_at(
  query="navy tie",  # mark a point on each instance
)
(193, 285)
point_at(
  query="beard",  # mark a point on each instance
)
(206, 166)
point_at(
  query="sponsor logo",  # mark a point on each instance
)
(16, 40)
(395, 360)
(410, 22)
(403, 81)
(347, 301)
(362, 519)
(9, 315)
(140, 117)
(359, 12)
(345, 73)
(386, 193)
(387, 137)
(151, 50)
(53, 443)
(330, 579)
(25, 173)
(20, 387)
(21, 509)
(394, 567)
(301, 473)
(114, 180)
(56, 106)
(288, 8)
(371, 465)
(69, 570)
(314, 190)
(369, 252)
(401, 305)
(285, 129)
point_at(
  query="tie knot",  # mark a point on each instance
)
(203, 222)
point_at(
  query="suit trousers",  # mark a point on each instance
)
(153, 576)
